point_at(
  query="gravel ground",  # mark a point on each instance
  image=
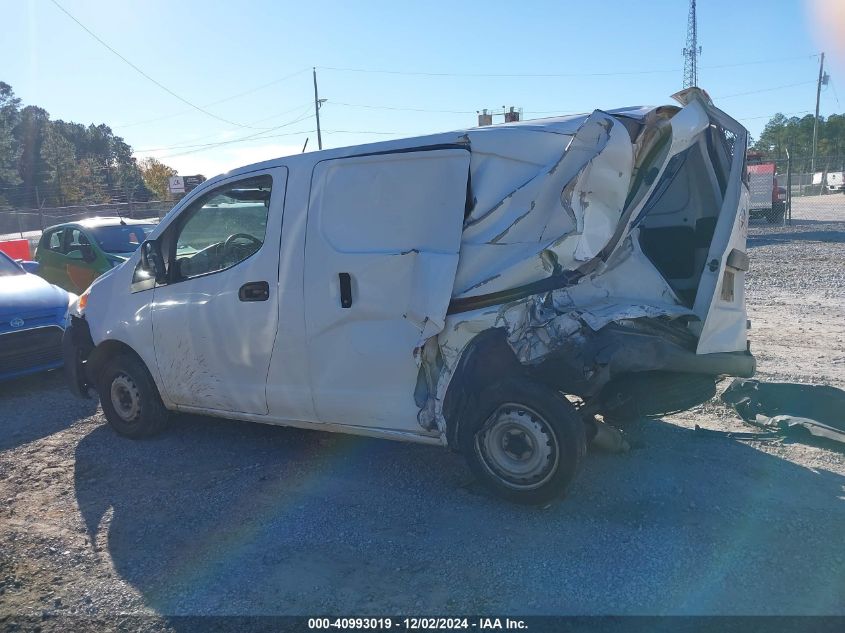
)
(218, 517)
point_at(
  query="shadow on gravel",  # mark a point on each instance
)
(799, 236)
(37, 406)
(220, 517)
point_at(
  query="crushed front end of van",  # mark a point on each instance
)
(614, 271)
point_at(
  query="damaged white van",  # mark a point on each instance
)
(493, 290)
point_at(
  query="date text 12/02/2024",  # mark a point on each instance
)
(417, 623)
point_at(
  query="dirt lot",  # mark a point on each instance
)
(220, 517)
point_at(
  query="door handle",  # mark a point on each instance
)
(345, 290)
(254, 291)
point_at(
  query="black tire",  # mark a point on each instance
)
(518, 415)
(130, 398)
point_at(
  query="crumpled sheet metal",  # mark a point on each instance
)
(558, 218)
(580, 194)
(790, 408)
(536, 329)
(542, 324)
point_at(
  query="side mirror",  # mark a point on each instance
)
(28, 266)
(152, 260)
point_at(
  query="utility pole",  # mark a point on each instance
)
(822, 80)
(317, 103)
(692, 50)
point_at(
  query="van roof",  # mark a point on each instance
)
(92, 223)
(565, 124)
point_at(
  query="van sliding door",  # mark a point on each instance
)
(383, 237)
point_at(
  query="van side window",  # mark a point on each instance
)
(222, 228)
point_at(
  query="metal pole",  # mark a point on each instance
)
(40, 208)
(317, 110)
(788, 186)
(816, 120)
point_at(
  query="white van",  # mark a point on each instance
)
(492, 290)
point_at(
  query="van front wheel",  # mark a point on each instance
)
(524, 441)
(129, 398)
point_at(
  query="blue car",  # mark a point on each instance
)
(33, 316)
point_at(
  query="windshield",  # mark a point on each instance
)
(8, 266)
(123, 238)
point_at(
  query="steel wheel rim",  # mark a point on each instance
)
(518, 447)
(125, 397)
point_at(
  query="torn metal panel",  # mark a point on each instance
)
(599, 194)
(533, 217)
(558, 259)
(789, 407)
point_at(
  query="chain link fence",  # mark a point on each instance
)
(797, 191)
(794, 191)
(29, 223)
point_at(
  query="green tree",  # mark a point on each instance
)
(9, 149)
(155, 175)
(796, 135)
(61, 168)
(29, 136)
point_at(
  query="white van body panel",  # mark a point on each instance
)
(116, 314)
(213, 350)
(392, 223)
(535, 229)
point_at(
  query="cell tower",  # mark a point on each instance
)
(692, 50)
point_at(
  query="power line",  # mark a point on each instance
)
(203, 149)
(257, 135)
(835, 96)
(402, 108)
(492, 75)
(206, 136)
(359, 132)
(769, 116)
(297, 133)
(278, 114)
(552, 75)
(219, 101)
(754, 92)
(142, 73)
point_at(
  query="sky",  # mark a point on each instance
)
(389, 69)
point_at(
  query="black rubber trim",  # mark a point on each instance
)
(407, 150)
(76, 347)
(562, 280)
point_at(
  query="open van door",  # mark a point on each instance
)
(720, 300)
(382, 248)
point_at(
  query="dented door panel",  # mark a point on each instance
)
(392, 223)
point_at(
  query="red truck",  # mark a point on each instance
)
(767, 199)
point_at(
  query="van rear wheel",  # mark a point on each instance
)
(524, 441)
(130, 399)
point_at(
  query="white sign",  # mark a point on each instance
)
(176, 184)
